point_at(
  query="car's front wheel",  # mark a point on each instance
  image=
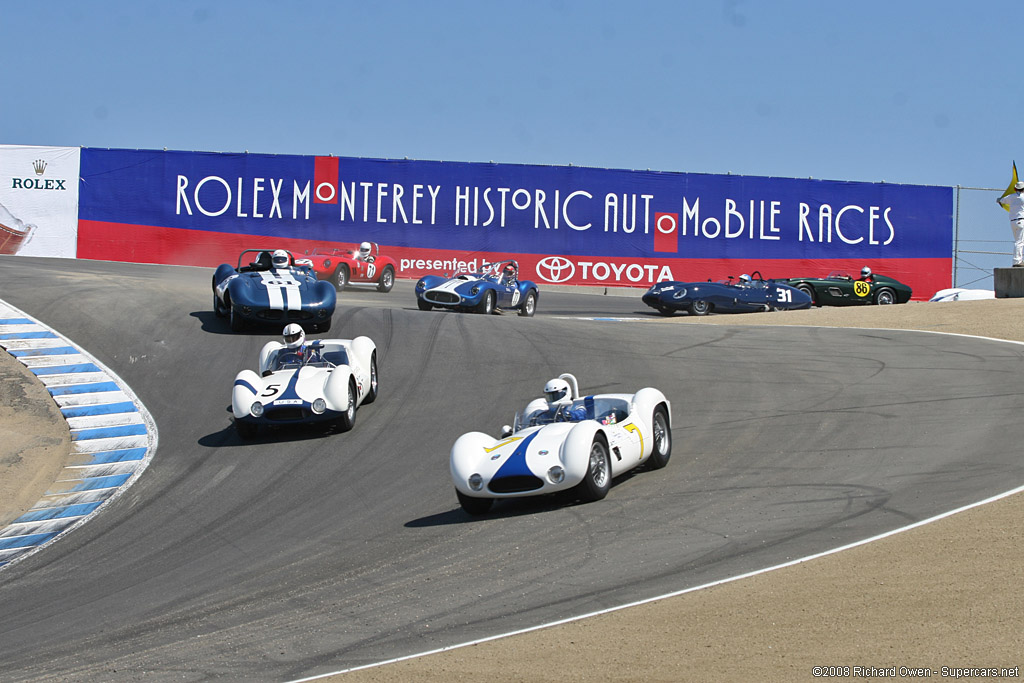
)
(662, 450)
(387, 280)
(529, 306)
(598, 480)
(246, 430)
(348, 418)
(371, 395)
(474, 506)
(486, 305)
(218, 307)
(236, 319)
(423, 305)
(340, 277)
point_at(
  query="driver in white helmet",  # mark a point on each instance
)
(364, 252)
(295, 348)
(280, 259)
(865, 274)
(744, 280)
(559, 397)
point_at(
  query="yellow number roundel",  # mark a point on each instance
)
(861, 288)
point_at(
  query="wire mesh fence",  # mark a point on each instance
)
(982, 239)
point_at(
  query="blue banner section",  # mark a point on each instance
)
(515, 208)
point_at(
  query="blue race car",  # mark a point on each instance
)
(495, 288)
(270, 288)
(746, 295)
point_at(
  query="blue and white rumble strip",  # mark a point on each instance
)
(113, 436)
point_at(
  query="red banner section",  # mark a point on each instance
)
(149, 244)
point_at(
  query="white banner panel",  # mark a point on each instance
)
(39, 200)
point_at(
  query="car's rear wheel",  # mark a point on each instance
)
(662, 450)
(387, 280)
(486, 305)
(885, 297)
(598, 480)
(371, 395)
(474, 506)
(348, 418)
(699, 307)
(340, 277)
(529, 306)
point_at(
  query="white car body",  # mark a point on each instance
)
(544, 454)
(960, 294)
(331, 379)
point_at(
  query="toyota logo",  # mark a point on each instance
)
(556, 269)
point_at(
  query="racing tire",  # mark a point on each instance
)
(218, 308)
(387, 280)
(340, 277)
(237, 321)
(885, 297)
(371, 395)
(598, 479)
(809, 291)
(246, 430)
(486, 305)
(423, 305)
(662, 450)
(348, 418)
(665, 310)
(699, 307)
(529, 306)
(474, 506)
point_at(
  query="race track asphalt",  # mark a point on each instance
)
(304, 553)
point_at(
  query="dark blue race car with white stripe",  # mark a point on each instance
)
(258, 290)
(496, 287)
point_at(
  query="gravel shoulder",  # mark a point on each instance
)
(947, 594)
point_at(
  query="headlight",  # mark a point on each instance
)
(420, 285)
(327, 263)
(475, 290)
(256, 409)
(556, 475)
(476, 482)
(319, 406)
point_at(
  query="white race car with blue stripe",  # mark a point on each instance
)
(256, 292)
(580, 445)
(325, 380)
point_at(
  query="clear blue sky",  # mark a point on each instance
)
(891, 90)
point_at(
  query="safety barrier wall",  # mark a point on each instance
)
(565, 224)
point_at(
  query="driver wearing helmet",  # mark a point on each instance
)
(295, 349)
(280, 259)
(364, 252)
(744, 280)
(559, 398)
(865, 274)
(508, 274)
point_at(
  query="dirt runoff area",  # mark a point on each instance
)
(948, 594)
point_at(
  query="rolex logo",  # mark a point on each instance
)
(39, 165)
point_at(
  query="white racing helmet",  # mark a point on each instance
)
(865, 272)
(294, 336)
(745, 279)
(280, 258)
(364, 249)
(557, 392)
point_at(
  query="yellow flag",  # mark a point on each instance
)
(1009, 188)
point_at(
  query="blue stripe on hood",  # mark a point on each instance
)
(516, 463)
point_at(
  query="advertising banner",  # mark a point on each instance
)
(566, 225)
(38, 200)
